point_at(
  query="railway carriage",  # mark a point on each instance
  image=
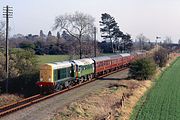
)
(126, 58)
(116, 61)
(102, 64)
(140, 55)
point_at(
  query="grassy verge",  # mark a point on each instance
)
(144, 109)
(106, 102)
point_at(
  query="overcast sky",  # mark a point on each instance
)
(150, 17)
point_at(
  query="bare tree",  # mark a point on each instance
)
(77, 25)
(141, 39)
(167, 40)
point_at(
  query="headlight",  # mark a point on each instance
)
(49, 79)
(41, 79)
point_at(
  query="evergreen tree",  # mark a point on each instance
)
(41, 34)
(49, 34)
(109, 29)
(58, 38)
(126, 43)
(117, 34)
(58, 35)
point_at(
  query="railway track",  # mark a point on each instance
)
(7, 109)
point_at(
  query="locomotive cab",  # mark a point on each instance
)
(46, 78)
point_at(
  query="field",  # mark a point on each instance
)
(57, 58)
(162, 102)
(51, 58)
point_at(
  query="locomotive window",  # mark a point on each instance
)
(62, 73)
(89, 66)
(58, 74)
(68, 72)
(79, 68)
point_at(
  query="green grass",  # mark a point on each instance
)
(58, 58)
(52, 58)
(162, 102)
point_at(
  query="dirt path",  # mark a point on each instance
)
(46, 109)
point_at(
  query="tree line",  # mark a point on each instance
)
(75, 36)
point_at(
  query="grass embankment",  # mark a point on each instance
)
(105, 103)
(162, 101)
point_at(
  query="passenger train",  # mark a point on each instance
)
(60, 75)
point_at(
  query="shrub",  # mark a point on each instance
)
(23, 71)
(161, 57)
(142, 69)
(24, 84)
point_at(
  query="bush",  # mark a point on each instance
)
(161, 57)
(142, 69)
(23, 71)
(24, 84)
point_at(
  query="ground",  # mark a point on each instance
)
(8, 98)
(106, 103)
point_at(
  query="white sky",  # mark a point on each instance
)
(150, 17)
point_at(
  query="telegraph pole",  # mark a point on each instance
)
(157, 46)
(7, 13)
(94, 41)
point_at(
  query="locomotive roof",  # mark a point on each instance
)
(58, 65)
(124, 54)
(101, 58)
(84, 61)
